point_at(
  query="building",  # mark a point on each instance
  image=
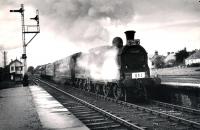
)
(170, 59)
(16, 70)
(157, 61)
(193, 59)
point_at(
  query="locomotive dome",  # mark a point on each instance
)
(118, 42)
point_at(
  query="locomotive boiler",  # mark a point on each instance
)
(120, 71)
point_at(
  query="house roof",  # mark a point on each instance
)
(170, 57)
(16, 60)
(156, 56)
(195, 55)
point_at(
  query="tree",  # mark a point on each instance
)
(181, 56)
(158, 62)
(30, 69)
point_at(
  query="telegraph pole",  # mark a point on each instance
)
(26, 30)
(5, 58)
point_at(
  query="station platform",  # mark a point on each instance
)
(32, 108)
(181, 81)
(179, 84)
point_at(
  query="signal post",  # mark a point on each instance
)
(27, 29)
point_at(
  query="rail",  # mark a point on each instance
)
(121, 121)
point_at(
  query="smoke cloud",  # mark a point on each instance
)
(100, 64)
(84, 20)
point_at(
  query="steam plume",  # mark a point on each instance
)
(83, 20)
(100, 64)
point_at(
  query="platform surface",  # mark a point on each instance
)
(17, 110)
(32, 108)
(52, 114)
(181, 81)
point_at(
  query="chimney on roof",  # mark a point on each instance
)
(156, 52)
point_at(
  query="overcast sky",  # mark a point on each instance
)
(68, 26)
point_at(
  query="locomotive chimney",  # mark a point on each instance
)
(130, 37)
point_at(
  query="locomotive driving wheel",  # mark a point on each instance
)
(106, 90)
(96, 88)
(89, 87)
(85, 85)
(117, 91)
(80, 84)
(76, 83)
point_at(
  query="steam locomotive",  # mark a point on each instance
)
(120, 71)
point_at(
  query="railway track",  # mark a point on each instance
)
(92, 116)
(155, 115)
(177, 113)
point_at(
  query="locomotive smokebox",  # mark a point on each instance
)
(130, 37)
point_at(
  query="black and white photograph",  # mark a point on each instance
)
(99, 64)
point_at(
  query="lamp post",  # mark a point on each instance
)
(25, 30)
